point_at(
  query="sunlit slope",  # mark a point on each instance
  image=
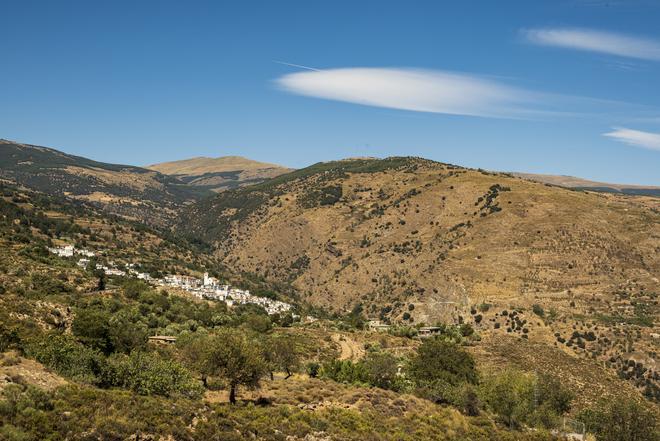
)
(390, 233)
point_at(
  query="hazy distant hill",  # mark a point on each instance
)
(220, 173)
(123, 189)
(584, 184)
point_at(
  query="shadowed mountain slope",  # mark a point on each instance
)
(123, 189)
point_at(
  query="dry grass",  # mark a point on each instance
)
(16, 369)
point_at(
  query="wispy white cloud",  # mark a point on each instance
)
(596, 41)
(419, 90)
(637, 138)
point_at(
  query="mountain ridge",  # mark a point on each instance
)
(123, 189)
(586, 184)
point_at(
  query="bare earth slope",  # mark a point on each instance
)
(220, 173)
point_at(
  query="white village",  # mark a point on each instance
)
(208, 288)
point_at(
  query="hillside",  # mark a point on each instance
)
(221, 173)
(123, 189)
(585, 184)
(69, 347)
(416, 230)
(415, 241)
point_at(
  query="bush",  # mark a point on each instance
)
(313, 368)
(148, 374)
(382, 369)
(403, 331)
(538, 310)
(510, 395)
(67, 357)
(9, 338)
(345, 371)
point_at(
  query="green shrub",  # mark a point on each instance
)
(146, 373)
(538, 310)
(67, 357)
(313, 368)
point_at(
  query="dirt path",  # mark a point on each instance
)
(349, 348)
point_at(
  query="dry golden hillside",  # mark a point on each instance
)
(416, 241)
(425, 233)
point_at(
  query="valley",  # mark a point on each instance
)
(534, 282)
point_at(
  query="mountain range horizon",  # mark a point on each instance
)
(200, 165)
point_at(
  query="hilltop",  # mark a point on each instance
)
(220, 173)
(124, 189)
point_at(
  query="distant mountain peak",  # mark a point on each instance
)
(220, 173)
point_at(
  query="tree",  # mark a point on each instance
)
(67, 357)
(621, 420)
(146, 373)
(510, 394)
(196, 351)
(92, 328)
(281, 353)
(258, 323)
(554, 395)
(439, 366)
(230, 355)
(134, 287)
(100, 275)
(355, 318)
(519, 397)
(382, 369)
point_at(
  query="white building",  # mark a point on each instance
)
(65, 251)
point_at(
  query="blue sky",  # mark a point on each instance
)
(561, 87)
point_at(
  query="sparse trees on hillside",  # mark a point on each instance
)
(621, 420)
(229, 355)
(281, 353)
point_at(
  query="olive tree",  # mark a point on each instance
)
(227, 354)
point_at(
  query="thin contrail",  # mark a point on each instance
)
(296, 65)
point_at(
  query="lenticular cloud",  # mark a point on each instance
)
(415, 90)
(637, 138)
